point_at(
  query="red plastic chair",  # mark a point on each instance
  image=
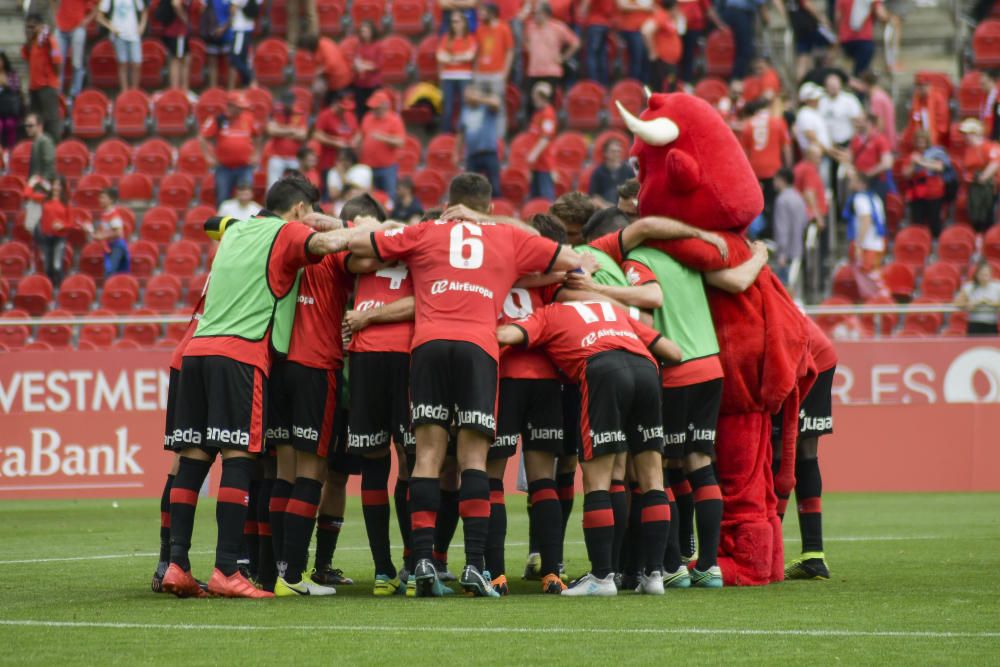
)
(103, 65)
(895, 211)
(14, 336)
(956, 246)
(154, 61)
(429, 187)
(162, 293)
(408, 157)
(92, 261)
(90, 114)
(940, 282)
(176, 191)
(77, 293)
(514, 185)
(845, 284)
(830, 322)
(131, 114)
(279, 18)
(72, 158)
(441, 154)
(911, 246)
(305, 67)
(125, 344)
(191, 160)
(922, 324)
(711, 90)
(720, 52)
(194, 288)
(171, 110)
(584, 104)
(569, 151)
(534, 206)
(504, 208)
(88, 191)
(261, 103)
(144, 335)
(212, 102)
(58, 336)
(986, 45)
(112, 158)
(632, 96)
(397, 57)
(517, 152)
(409, 17)
(11, 199)
(120, 294)
(958, 323)
(991, 243)
(427, 64)
(135, 187)
(101, 336)
(20, 159)
(199, 58)
(331, 16)
(193, 228)
(367, 10)
(899, 280)
(971, 95)
(883, 324)
(270, 61)
(158, 225)
(154, 158)
(15, 258)
(33, 294)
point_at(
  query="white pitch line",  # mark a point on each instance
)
(456, 545)
(905, 634)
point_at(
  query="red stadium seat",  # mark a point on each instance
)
(441, 155)
(88, 190)
(632, 96)
(534, 206)
(125, 344)
(504, 208)
(58, 336)
(940, 80)
(193, 228)
(101, 336)
(514, 185)
(20, 159)
(830, 322)
(429, 187)
(199, 57)
(305, 67)
(899, 280)
(185, 247)
(33, 294)
(408, 157)
(331, 16)
(90, 114)
(15, 258)
(711, 90)
(11, 198)
(427, 64)
(212, 102)
(171, 110)
(940, 282)
(191, 160)
(158, 225)
(720, 52)
(162, 293)
(195, 287)
(895, 211)
(922, 324)
(154, 158)
(956, 245)
(958, 323)
(584, 104)
(135, 187)
(517, 153)
(397, 57)
(270, 61)
(883, 324)
(154, 60)
(207, 190)
(986, 45)
(911, 246)
(279, 18)
(971, 95)
(131, 114)
(569, 152)
(606, 136)
(92, 261)
(176, 191)
(261, 103)
(409, 17)
(14, 336)
(72, 158)
(991, 243)
(349, 47)
(368, 10)
(845, 284)
(112, 158)
(120, 293)
(77, 293)
(4, 295)
(103, 65)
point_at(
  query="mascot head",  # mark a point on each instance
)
(691, 166)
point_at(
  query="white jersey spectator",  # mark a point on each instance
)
(839, 109)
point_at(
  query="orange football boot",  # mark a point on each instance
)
(234, 586)
(181, 583)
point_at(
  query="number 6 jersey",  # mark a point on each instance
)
(462, 272)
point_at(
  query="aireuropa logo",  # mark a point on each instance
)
(961, 378)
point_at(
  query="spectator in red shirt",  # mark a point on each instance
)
(336, 128)
(596, 17)
(981, 168)
(455, 55)
(924, 172)
(54, 223)
(929, 111)
(383, 134)
(110, 229)
(695, 12)
(494, 57)
(72, 19)
(855, 25)
(809, 182)
(330, 61)
(235, 153)
(872, 155)
(632, 15)
(308, 165)
(175, 38)
(44, 58)
(543, 131)
(768, 146)
(663, 44)
(549, 44)
(287, 129)
(367, 66)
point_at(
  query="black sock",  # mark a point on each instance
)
(375, 507)
(672, 555)
(599, 531)
(425, 499)
(401, 500)
(251, 539)
(566, 482)
(496, 537)
(655, 528)
(300, 517)
(183, 502)
(684, 516)
(266, 570)
(327, 534)
(632, 552)
(619, 505)
(708, 513)
(447, 524)
(546, 522)
(808, 496)
(474, 508)
(231, 511)
(165, 519)
(280, 492)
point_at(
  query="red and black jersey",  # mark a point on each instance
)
(316, 339)
(820, 347)
(573, 331)
(375, 290)
(518, 362)
(461, 272)
(177, 359)
(611, 245)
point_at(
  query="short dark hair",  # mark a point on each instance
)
(573, 208)
(112, 193)
(363, 205)
(549, 226)
(431, 214)
(289, 191)
(303, 152)
(472, 190)
(629, 189)
(786, 175)
(405, 182)
(34, 19)
(605, 222)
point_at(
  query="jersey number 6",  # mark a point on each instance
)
(466, 248)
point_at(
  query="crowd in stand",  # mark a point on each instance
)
(822, 139)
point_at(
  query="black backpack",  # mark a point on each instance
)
(165, 13)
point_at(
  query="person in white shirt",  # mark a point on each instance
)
(239, 54)
(809, 126)
(242, 206)
(126, 21)
(839, 109)
(980, 298)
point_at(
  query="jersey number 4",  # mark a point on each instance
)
(594, 311)
(466, 247)
(396, 275)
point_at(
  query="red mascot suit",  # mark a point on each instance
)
(692, 168)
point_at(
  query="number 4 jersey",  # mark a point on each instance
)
(461, 274)
(375, 290)
(517, 362)
(573, 331)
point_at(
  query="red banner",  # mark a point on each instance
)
(909, 415)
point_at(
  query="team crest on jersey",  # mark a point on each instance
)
(394, 232)
(632, 275)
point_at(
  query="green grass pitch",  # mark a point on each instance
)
(915, 583)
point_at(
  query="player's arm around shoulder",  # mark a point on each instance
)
(739, 278)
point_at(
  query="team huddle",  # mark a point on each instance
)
(573, 334)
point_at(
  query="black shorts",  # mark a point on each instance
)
(177, 47)
(301, 407)
(340, 459)
(572, 440)
(222, 404)
(173, 391)
(532, 411)
(815, 411)
(380, 393)
(690, 415)
(454, 381)
(620, 406)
